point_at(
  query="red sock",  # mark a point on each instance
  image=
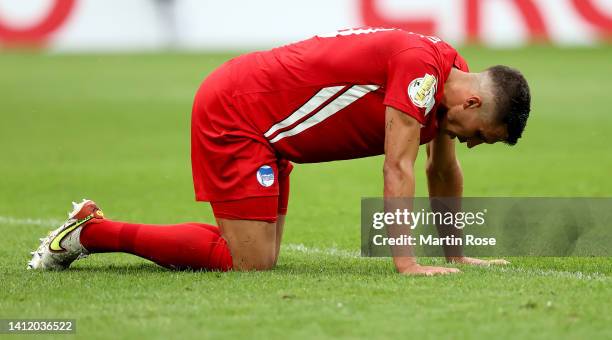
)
(180, 246)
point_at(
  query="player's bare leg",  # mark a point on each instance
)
(251, 243)
(280, 226)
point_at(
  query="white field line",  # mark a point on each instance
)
(555, 273)
(300, 248)
(41, 222)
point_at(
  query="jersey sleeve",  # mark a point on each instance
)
(412, 82)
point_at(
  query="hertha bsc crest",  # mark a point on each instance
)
(265, 176)
(422, 92)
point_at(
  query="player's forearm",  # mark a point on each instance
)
(447, 182)
(398, 192)
(398, 179)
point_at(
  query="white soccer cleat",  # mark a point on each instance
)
(62, 246)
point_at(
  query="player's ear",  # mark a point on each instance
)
(472, 102)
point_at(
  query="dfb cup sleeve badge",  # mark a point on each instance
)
(265, 176)
(422, 91)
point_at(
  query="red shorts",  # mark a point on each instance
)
(234, 167)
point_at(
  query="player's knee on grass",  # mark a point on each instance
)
(251, 243)
(253, 227)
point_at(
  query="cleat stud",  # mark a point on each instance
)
(41, 239)
(32, 252)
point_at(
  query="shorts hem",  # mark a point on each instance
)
(231, 198)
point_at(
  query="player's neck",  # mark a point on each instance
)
(457, 85)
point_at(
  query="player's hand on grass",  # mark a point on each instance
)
(477, 262)
(428, 270)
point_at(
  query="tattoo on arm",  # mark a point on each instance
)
(389, 124)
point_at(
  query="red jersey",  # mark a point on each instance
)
(324, 98)
(317, 100)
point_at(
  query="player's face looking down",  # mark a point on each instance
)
(469, 105)
(470, 125)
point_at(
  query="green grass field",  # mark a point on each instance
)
(116, 129)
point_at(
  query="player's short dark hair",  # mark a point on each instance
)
(512, 100)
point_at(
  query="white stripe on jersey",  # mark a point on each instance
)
(323, 95)
(344, 100)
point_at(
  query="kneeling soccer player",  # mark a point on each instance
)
(350, 94)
